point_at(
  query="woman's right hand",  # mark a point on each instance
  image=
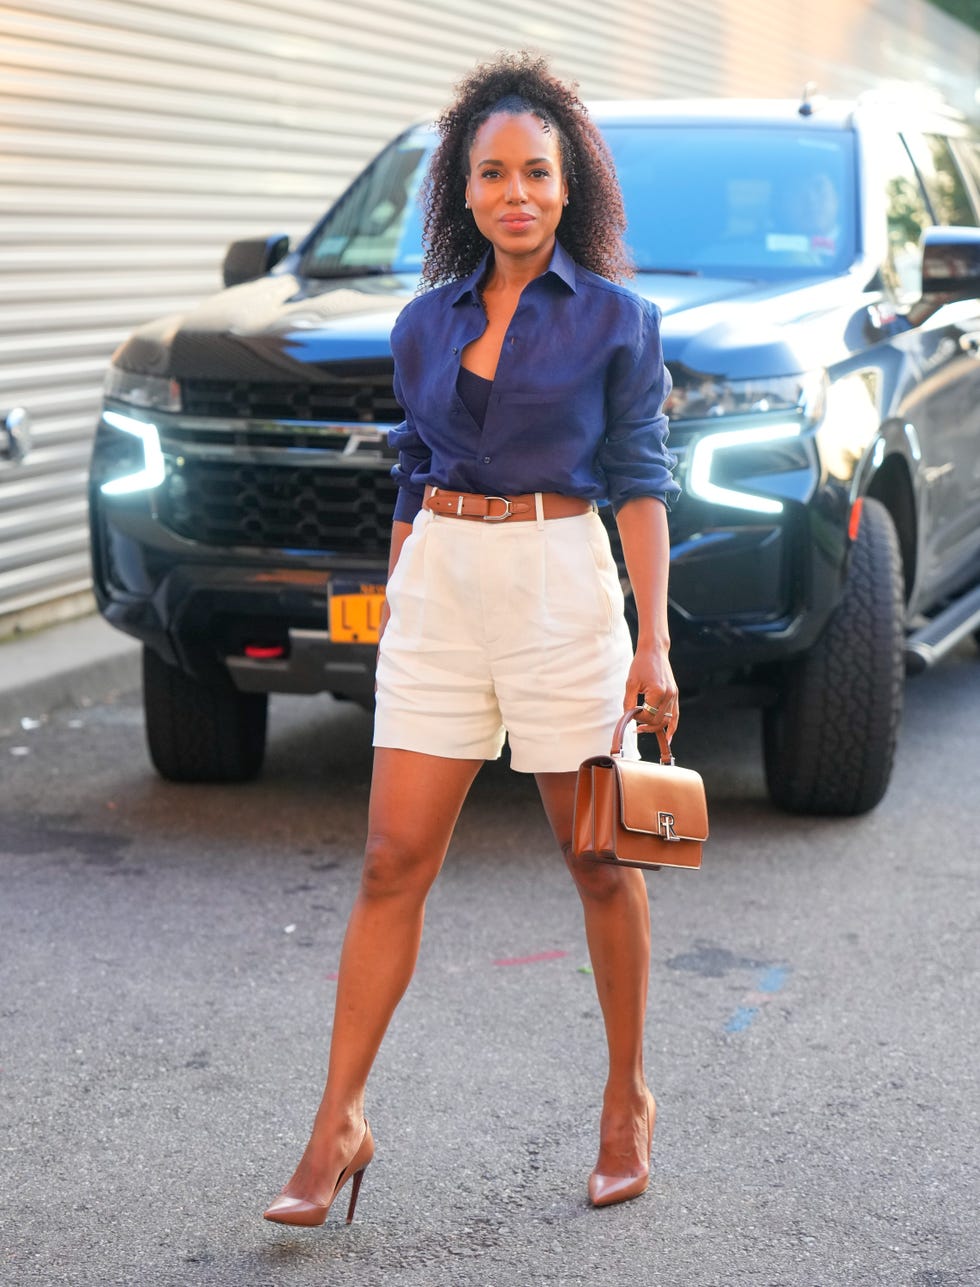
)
(651, 681)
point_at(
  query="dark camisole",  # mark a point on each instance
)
(474, 392)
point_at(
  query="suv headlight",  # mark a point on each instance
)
(158, 392)
(708, 463)
(732, 466)
(702, 397)
(144, 460)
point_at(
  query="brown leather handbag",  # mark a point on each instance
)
(639, 814)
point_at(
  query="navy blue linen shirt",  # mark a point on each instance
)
(577, 398)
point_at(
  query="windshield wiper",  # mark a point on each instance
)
(673, 272)
(350, 270)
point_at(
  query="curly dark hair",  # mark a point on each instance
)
(593, 223)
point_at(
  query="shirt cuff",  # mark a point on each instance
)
(664, 498)
(407, 505)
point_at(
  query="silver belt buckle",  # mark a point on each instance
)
(498, 518)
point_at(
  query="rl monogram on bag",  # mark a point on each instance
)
(639, 814)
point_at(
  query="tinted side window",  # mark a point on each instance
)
(943, 181)
(908, 217)
(968, 153)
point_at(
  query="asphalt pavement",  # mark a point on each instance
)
(168, 956)
(67, 664)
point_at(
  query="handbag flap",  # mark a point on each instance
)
(662, 799)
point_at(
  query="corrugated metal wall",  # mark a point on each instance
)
(138, 138)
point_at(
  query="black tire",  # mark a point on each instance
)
(200, 732)
(829, 741)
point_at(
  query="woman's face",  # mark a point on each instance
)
(515, 188)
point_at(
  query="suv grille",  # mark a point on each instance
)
(365, 397)
(257, 464)
(284, 507)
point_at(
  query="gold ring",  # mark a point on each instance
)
(650, 710)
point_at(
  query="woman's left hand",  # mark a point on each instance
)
(651, 681)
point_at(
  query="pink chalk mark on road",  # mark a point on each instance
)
(531, 960)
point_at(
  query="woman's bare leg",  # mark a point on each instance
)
(415, 801)
(617, 927)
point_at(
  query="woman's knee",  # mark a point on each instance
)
(393, 868)
(598, 880)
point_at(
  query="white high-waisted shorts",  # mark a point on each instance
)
(504, 629)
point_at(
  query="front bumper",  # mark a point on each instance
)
(201, 609)
(747, 589)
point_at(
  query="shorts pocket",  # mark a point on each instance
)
(578, 590)
(607, 572)
(405, 590)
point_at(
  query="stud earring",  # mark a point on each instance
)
(565, 201)
(466, 205)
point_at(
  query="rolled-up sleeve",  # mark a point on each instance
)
(414, 457)
(633, 455)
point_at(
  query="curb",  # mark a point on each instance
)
(66, 665)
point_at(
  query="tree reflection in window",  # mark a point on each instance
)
(908, 217)
(946, 191)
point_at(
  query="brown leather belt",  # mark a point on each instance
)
(494, 509)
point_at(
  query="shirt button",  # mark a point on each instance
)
(455, 349)
(486, 460)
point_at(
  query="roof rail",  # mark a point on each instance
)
(909, 95)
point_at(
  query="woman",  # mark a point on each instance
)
(532, 387)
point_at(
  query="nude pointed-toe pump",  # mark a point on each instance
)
(302, 1212)
(604, 1190)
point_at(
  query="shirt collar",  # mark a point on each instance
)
(562, 266)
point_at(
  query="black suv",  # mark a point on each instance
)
(818, 268)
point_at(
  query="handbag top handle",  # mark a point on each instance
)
(617, 741)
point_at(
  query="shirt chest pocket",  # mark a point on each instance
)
(571, 411)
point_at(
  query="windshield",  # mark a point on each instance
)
(724, 201)
(734, 201)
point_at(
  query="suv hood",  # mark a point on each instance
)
(277, 328)
(739, 328)
(284, 328)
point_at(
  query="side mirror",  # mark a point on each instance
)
(951, 262)
(15, 434)
(253, 257)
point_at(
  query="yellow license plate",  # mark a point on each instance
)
(355, 612)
